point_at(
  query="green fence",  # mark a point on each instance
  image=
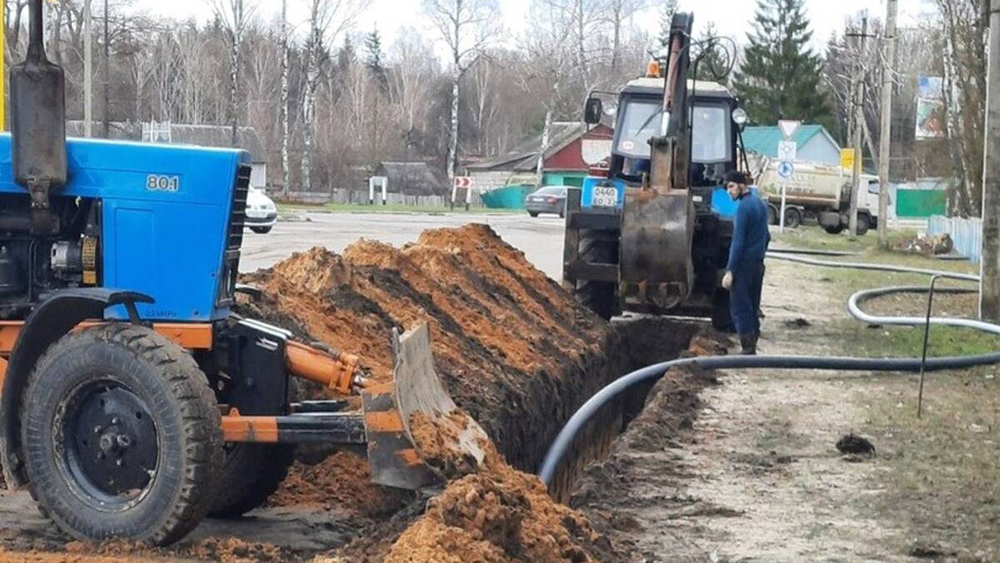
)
(920, 204)
(508, 197)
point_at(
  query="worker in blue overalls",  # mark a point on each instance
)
(745, 271)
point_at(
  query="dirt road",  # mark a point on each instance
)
(756, 476)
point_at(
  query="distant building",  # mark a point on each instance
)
(215, 136)
(411, 178)
(572, 146)
(815, 144)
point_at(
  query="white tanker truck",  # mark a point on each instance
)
(821, 193)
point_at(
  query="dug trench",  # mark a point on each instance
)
(517, 354)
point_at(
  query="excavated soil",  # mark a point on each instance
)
(341, 481)
(515, 350)
(517, 354)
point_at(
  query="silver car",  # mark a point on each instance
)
(549, 199)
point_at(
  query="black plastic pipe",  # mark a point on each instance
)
(652, 373)
(564, 440)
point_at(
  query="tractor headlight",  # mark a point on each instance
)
(740, 116)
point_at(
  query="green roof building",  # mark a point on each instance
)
(815, 144)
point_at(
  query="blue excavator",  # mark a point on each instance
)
(651, 232)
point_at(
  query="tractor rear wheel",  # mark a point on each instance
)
(600, 297)
(122, 436)
(250, 474)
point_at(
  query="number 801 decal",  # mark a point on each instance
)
(160, 183)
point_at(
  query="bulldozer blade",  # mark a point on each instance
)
(395, 458)
(657, 273)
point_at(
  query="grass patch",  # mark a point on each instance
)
(815, 238)
(888, 342)
(939, 474)
(938, 478)
(423, 210)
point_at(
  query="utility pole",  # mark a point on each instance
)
(885, 136)
(858, 94)
(989, 294)
(88, 70)
(107, 74)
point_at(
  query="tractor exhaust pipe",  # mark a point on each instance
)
(38, 126)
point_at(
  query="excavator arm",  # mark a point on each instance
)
(657, 272)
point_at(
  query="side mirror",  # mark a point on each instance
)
(593, 112)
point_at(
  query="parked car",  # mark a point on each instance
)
(262, 214)
(548, 199)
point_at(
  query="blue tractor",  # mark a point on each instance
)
(651, 233)
(135, 402)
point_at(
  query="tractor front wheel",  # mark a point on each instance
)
(122, 436)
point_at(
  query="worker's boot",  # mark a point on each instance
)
(749, 344)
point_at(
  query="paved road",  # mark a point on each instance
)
(540, 239)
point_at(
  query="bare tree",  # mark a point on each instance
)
(235, 15)
(966, 25)
(411, 81)
(619, 11)
(328, 19)
(286, 54)
(467, 27)
(547, 45)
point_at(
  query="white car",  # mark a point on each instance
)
(262, 214)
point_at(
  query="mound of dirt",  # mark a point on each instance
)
(516, 353)
(343, 481)
(495, 515)
(227, 550)
(512, 347)
(439, 443)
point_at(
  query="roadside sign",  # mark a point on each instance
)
(847, 159)
(462, 183)
(785, 170)
(787, 151)
(788, 127)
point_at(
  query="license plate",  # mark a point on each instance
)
(605, 197)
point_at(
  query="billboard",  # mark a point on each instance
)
(930, 108)
(930, 88)
(930, 119)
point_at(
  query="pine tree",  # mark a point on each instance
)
(666, 20)
(346, 57)
(780, 75)
(715, 60)
(373, 47)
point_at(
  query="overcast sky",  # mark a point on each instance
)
(731, 17)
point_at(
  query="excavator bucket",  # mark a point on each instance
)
(395, 458)
(656, 273)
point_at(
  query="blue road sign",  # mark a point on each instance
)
(785, 170)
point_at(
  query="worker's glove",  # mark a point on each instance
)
(727, 280)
